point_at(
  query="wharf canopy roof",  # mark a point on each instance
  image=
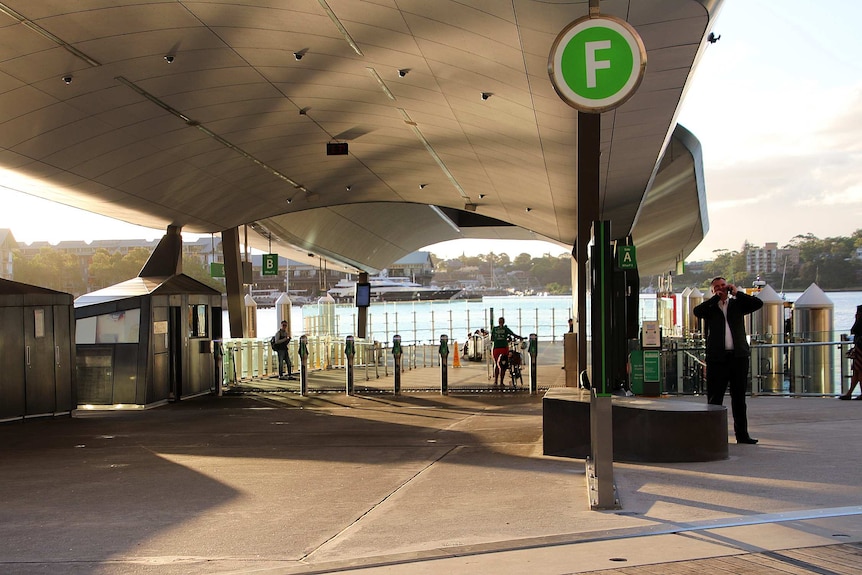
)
(214, 114)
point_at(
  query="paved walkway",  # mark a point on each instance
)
(272, 483)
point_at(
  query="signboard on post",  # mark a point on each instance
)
(652, 366)
(269, 265)
(651, 334)
(626, 259)
(597, 63)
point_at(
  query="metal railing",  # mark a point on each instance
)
(797, 367)
(246, 359)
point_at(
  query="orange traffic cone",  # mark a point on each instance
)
(456, 359)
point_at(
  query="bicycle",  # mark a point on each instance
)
(509, 364)
(514, 361)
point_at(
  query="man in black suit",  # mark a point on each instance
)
(727, 349)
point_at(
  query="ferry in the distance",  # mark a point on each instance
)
(392, 289)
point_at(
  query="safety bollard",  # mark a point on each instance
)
(396, 360)
(444, 364)
(303, 365)
(533, 351)
(349, 353)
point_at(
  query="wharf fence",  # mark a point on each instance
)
(814, 365)
(246, 359)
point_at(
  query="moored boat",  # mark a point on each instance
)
(393, 289)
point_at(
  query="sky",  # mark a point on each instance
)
(776, 104)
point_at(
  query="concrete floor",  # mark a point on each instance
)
(418, 483)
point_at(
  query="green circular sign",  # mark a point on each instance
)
(597, 63)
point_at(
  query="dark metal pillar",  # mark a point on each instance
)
(533, 351)
(303, 365)
(350, 354)
(589, 141)
(396, 361)
(233, 282)
(362, 311)
(444, 365)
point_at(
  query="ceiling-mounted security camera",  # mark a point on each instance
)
(67, 79)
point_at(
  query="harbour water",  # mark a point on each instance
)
(424, 322)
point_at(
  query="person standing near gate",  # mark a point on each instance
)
(855, 354)
(280, 344)
(500, 334)
(727, 349)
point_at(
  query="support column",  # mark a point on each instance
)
(570, 340)
(362, 310)
(233, 282)
(589, 141)
(167, 259)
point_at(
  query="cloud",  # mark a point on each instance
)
(773, 198)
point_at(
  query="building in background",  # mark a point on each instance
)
(769, 259)
(7, 245)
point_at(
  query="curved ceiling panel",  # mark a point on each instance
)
(210, 114)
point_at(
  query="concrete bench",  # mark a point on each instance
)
(645, 430)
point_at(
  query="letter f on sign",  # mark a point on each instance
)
(592, 64)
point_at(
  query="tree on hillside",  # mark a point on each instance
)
(52, 269)
(474, 261)
(830, 262)
(553, 270)
(728, 264)
(195, 267)
(108, 268)
(523, 262)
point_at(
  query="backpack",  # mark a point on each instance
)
(278, 346)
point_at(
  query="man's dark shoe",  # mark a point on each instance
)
(746, 440)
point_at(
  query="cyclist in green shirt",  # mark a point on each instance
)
(500, 335)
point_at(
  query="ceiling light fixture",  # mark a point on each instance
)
(44, 33)
(193, 123)
(437, 158)
(445, 218)
(380, 81)
(340, 27)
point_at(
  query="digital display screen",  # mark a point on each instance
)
(336, 148)
(363, 294)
